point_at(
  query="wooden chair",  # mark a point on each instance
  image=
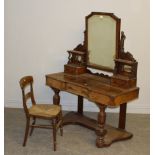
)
(42, 111)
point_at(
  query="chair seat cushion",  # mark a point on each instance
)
(44, 110)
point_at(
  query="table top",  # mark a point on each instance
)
(93, 85)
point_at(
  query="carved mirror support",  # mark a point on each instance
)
(103, 49)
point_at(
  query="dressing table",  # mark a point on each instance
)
(102, 49)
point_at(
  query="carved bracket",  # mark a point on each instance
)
(125, 55)
(126, 64)
(76, 57)
(76, 62)
(125, 72)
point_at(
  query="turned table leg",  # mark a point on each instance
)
(122, 116)
(80, 104)
(56, 97)
(100, 131)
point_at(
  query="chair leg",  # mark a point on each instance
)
(54, 134)
(32, 128)
(61, 125)
(26, 131)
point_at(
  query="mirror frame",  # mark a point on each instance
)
(118, 25)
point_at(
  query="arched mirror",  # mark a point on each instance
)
(102, 40)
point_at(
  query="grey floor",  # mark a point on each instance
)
(76, 140)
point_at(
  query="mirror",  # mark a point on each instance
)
(103, 36)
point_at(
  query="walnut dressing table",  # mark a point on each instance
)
(103, 49)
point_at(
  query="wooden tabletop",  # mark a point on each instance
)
(94, 85)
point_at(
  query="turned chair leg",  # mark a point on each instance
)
(61, 126)
(54, 134)
(26, 131)
(32, 128)
(61, 130)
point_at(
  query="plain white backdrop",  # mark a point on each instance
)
(109, 6)
(38, 33)
(2, 76)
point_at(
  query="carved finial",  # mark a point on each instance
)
(123, 37)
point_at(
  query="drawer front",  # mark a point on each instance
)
(82, 91)
(56, 84)
(100, 98)
(127, 97)
(77, 90)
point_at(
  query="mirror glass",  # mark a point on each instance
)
(101, 37)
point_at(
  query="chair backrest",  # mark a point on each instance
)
(27, 81)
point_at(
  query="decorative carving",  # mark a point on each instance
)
(127, 56)
(76, 62)
(125, 70)
(80, 47)
(76, 57)
(125, 65)
(123, 37)
(98, 74)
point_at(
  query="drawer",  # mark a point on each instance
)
(100, 98)
(77, 90)
(55, 83)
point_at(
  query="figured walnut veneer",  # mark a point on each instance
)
(99, 90)
(94, 88)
